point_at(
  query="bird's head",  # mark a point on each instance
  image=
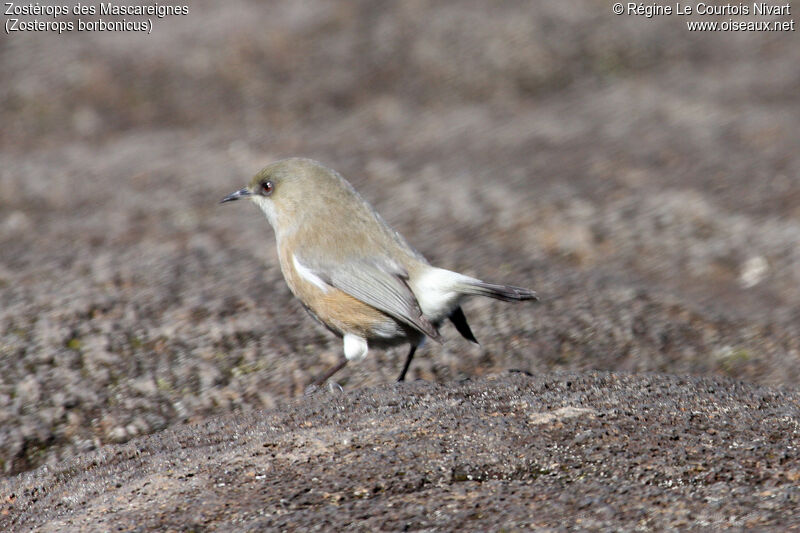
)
(286, 190)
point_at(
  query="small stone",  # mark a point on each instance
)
(753, 271)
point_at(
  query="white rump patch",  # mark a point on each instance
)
(437, 292)
(309, 276)
(355, 348)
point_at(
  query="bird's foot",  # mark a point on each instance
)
(314, 388)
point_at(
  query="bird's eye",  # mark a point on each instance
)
(267, 188)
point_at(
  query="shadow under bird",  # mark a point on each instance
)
(352, 272)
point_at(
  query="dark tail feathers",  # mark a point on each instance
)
(507, 293)
(460, 322)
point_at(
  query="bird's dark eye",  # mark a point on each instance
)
(267, 188)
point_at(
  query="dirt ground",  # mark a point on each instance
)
(644, 179)
(568, 451)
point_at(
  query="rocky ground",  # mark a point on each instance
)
(642, 178)
(570, 451)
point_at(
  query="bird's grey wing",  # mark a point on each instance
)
(381, 284)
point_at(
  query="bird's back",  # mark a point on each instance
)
(359, 232)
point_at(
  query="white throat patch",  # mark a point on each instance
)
(267, 207)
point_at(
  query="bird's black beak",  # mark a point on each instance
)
(236, 195)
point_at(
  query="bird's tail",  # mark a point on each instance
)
(506, 293)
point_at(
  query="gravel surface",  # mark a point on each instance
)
(644, 179)
(571, 451)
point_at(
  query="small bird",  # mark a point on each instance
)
(352, 272)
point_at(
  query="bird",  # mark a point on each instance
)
(351, 271)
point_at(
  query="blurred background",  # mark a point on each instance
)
(642, 178)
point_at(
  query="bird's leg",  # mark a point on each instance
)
(408, 363)
(327, 375)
